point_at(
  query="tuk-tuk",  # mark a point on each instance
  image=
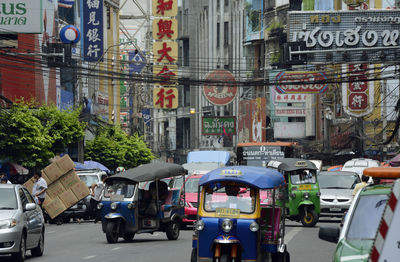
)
(231, 224)
(302, 189)
(127, 210)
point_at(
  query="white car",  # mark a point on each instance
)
(359, 164)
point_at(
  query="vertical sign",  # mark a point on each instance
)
(92, 28)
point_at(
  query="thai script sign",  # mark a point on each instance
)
(219, 125)
(300, 82)
(220, 87)
(367, 35)
(358, 93)
(263, 153)
(92, 28)
(21, 16)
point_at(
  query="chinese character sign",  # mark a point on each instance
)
(166, 74)
(165, 29)
(92, 28)
(166, 8)
(165, 98)
(165, 52)
(358, 95)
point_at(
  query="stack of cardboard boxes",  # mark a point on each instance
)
(65, 188)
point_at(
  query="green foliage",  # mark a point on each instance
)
(254, 18)
(113, 148)
(30, 136)
(275, 24)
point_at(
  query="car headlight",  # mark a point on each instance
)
(306, 195)
(114, 206)
(199, 225)
(99, 206)
(227, 225)
(254, 227)
(8, 223)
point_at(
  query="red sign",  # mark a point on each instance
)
(301, 82)
(221, 89)
(358, 99)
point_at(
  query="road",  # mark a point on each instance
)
(85, 242)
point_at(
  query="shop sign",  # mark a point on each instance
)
(366, 35)
(220, 87)
(166, 8)
(21, 16)
(92, 28)
(301, 82)
(287, 111)
(224, 125)
(165, 98)
(290, 98)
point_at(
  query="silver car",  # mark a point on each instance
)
(336, 191)
(21, 223)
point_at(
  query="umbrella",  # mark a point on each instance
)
(79, 165)
(94, 164)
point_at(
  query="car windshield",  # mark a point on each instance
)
(303, 177)
(231, 197)
(192, 184)
(119, 188)
(89, 179)
(337, 181)
(8, 199)
(367, 215)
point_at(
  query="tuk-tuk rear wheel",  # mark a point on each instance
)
(309, 218)
(112, 232)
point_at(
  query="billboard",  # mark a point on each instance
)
(252, 126)
(300, 82)
(92, 30)
(354, 36)
(220, 87)
(21, 16)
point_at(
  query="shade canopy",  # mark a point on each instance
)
(291, 164)
(149, 172)
(93, 164)
(259, 177)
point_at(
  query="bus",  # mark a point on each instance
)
(260, 153)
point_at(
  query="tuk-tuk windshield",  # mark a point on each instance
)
(120, 188)
(302, 177)
(230, 196)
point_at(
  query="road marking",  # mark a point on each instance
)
(289, 236)
(89, 257)
(50, 232)
(116, 248)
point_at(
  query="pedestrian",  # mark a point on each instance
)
(39, 187)
(3, 178)
(362, 184)
(97, 192)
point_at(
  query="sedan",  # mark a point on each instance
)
(336, 191)
(21, 223)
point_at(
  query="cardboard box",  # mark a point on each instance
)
(55, 207)
(69, 179)
(68, 198)
(80, 190)
(55, 189)
(53, 172)
(47, 201)
(48, 181)
(29, 185)
(65, 164)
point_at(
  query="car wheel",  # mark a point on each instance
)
(173, 230)
(112, 232)
(38, 251)
(20, 256)
(309, 217)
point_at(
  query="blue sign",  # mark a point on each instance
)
(69, 34)
(92, 30)
(137, 62)
(146, 116)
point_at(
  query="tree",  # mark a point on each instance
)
(113, 147)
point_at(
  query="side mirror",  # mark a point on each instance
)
(30, 207)
(330, 234)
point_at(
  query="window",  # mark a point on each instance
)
(22, 196)
(218, 35)
(226, 33)
(29, 196)
(108, 17)
(226, 3)
(186, 52)
(8, 200)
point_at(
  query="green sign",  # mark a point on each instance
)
(220, 125)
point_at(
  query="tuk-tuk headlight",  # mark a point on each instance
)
(199, 225)
(99, 206)
(254, 227)
(306, 195)
(114, 206)
(227, 225)
(131, 205)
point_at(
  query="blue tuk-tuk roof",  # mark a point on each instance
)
(259, 177)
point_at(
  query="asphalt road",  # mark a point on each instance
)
(86, 242)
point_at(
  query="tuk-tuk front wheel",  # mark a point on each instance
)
(112, 231)
(308, 217)
(193, 256)
(173, 230)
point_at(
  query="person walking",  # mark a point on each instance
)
(39, 187)
(362, 184)
(97, 192)
(4, 178)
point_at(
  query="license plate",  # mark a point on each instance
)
(305, 187)
(335, 209)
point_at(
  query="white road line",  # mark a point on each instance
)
(116, 248)
(51, 232)
(289, 236)
(89, 257)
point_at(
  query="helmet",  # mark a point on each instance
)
(120, 169)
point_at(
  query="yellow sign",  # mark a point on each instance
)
(231, 172)
(165, 8)
(305, 187)
(166, 74)
(227, 212)
(165, 52)
(165, 29)
(301, 163)
(165, 98)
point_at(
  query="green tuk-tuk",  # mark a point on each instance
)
(302, 191)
